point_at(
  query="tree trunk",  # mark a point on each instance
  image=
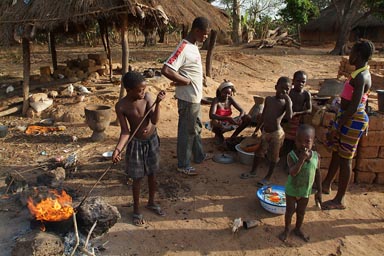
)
(211, 46)
(149, 36)
(236, 29)
(161, 33)
(26, 73)
(125, 52)
(347, 14)
(298, 33)
(52, 49)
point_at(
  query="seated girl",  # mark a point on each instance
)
(221, 113)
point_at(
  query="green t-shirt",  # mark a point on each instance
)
(301, 184)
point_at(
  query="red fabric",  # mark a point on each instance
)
(177, 52)
(223, 112)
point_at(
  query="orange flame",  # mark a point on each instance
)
(57, 208)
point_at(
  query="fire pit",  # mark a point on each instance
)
(52, 210)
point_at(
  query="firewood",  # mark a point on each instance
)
(11, 110)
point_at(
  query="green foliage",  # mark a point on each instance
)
(299, 11)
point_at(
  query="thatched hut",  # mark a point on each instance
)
(326, 28)
(24, 19)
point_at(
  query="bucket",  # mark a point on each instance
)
(380, 100)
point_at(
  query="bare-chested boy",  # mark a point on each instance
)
(275, 107)
(301, 105)
(142, 154)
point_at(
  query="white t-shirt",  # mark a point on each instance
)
(186, 60)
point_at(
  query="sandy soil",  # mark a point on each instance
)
(199, 209)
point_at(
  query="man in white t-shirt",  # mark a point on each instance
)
(185, 69)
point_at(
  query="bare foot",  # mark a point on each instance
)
(332, 205)
(284, 236)
(300, 234)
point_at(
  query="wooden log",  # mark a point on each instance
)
(26, 73)
(211, 46)
(11, 110)
(52, 48)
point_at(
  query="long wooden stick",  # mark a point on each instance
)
(109, 167)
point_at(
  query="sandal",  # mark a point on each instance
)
(331, 205)
(263, 183)
(155, 209)
(207, 156)
(138, 220)
(190, 171)
(247, 175)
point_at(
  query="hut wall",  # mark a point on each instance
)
(375, 34)
(317, 37)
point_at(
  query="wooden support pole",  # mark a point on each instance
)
(125, 51)
(26, 73)
(52, 48)
(109, 54)
(211, 46)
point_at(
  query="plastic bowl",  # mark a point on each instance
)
(244, 157)
(268, 205)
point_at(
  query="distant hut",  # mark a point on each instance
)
(24, 19)
(325, 28)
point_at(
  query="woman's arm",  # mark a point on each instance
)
(237, 106)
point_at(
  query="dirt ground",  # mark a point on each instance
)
(199, 209)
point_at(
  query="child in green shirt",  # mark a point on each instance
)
(304, 170)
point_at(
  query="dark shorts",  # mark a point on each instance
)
(142, 157)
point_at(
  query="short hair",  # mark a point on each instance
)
(200, 23)
(300, 72)
(284, 79)
(365, 48)
(132, 79)
(304, 128)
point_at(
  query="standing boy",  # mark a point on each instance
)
(272, 134)
(301, 105)
(142, 154)
(185, 69)
(304, 170)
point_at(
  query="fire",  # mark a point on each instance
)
(56, 207)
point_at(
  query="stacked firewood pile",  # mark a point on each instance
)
(90, 68)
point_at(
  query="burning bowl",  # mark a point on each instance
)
(272, 198)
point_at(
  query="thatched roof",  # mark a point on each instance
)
(328, 22)
(64, 16)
